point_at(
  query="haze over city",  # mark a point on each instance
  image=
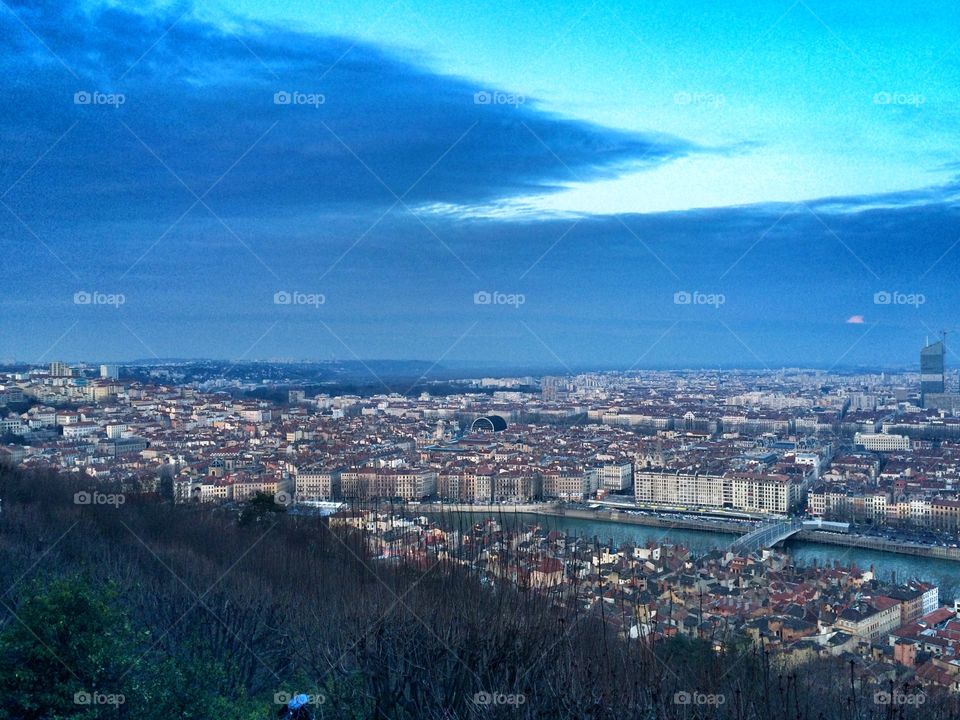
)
(548, 186)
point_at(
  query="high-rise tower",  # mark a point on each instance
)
(932, 370)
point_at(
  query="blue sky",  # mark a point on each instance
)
(672, 184)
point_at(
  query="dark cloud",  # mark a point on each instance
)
(300, 204)
(202, 97)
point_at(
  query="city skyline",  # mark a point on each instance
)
(570, 189)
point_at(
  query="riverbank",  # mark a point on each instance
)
(872, 543)
(616, 516)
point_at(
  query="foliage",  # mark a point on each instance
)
(258, 508)
(190, 614)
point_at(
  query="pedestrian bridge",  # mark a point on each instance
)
(766, 536)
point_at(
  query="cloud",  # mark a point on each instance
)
(855, 320)
(301, 183)
(269, 120)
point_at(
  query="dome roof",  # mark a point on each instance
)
(489, 423)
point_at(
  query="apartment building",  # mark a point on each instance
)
(404, 483)
(945, 514)
(566, 484)
(915, 600)
(873, 507)
(518, 486)
(740, 491)
(615, 476)
(415, 484)
(317, 484)
(873, 619)
(881, 442)
(450, 485)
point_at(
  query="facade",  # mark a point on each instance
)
(11, 425)
(872, 620)
(566, 484)
(874, 507)
(945, 514)
(739, 491)
(315, 484)
(517, 486)
(123, 446)
(450, 485)
(932, 368)
(415, 484)
(404, 483)
(616, 476)
(881, 442)
(59, 369)
(916, 600)
(877, 507)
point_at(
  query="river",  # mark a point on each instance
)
(887, 566)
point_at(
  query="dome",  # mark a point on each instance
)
(488, 423)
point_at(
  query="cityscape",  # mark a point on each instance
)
(419, 360)
(490, 472)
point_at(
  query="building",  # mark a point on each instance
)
(614, 476)
(881, 442)
(405, 483)
(860, 507)
(109, 372)
(12, 425)
(488, 423)
(874, 619)
(565, 485)
(916, 600)
(413, 484)
(59, 369)
(945, 514)
(739, 491)
(317, 484)
(932, 370)
(550, 388)
(122, 446)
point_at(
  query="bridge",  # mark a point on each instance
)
(766, 536)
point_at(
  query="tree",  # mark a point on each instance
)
(259, 507)
(68, 652)
(64, 654)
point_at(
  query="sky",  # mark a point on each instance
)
(566, 184)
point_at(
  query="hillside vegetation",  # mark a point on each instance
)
(147, 610)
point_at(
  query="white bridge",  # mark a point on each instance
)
(766, 536)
